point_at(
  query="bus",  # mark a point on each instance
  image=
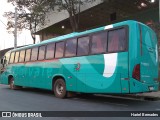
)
(121, 58)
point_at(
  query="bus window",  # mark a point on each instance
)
(59, 49)
(28, 55)
(71, 48)
(34, 54)
(83, 46)
(41, 53)
(99, 43)
(117, 40)
(16, 57)
(22, 55)
(50, 51)
(12, 57)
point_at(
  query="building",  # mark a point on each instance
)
(100, 13)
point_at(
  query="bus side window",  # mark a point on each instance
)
(99, 43)
(71, 46)
(50, 51)
(41, 53)
(83, 46)
(22, 55)
(117, 40)
(34, 54)
(16, 57)
(59, 50)
(28, 55)
(12, 57)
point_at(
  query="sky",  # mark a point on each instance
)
(6, 39)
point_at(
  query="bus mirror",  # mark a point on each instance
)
(1, 66)
(1, 61)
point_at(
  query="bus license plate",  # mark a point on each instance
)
(151, 88)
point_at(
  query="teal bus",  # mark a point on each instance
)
(121, 58)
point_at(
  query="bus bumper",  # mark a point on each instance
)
(139, 87)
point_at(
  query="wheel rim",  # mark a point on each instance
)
(59, 88)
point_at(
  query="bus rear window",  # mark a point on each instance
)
(117, 40)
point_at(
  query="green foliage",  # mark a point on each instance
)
(32, 13)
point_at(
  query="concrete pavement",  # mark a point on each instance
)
(152, 94)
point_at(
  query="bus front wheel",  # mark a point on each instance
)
(12, 85)
(60, 88)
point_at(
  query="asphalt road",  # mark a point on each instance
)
(29, 99)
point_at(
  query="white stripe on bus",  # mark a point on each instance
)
(110, 61)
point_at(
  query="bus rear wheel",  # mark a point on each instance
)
(60, 88)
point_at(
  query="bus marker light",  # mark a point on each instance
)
(69, 77)
(136, 72)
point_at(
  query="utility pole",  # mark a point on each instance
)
(6, 27)
(159, 10)
(15, 29)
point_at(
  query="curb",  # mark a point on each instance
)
(132, 96)
(143, 97)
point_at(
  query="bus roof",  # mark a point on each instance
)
(74, 34)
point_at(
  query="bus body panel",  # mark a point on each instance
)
(100, 73)
(140, 42)
(91, 78)
(149, 57)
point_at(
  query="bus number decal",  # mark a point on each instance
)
(77, 66)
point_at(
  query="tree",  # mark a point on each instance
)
(73, 7)
(32, 13)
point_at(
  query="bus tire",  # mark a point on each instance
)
(60, 88)
(12, 85)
